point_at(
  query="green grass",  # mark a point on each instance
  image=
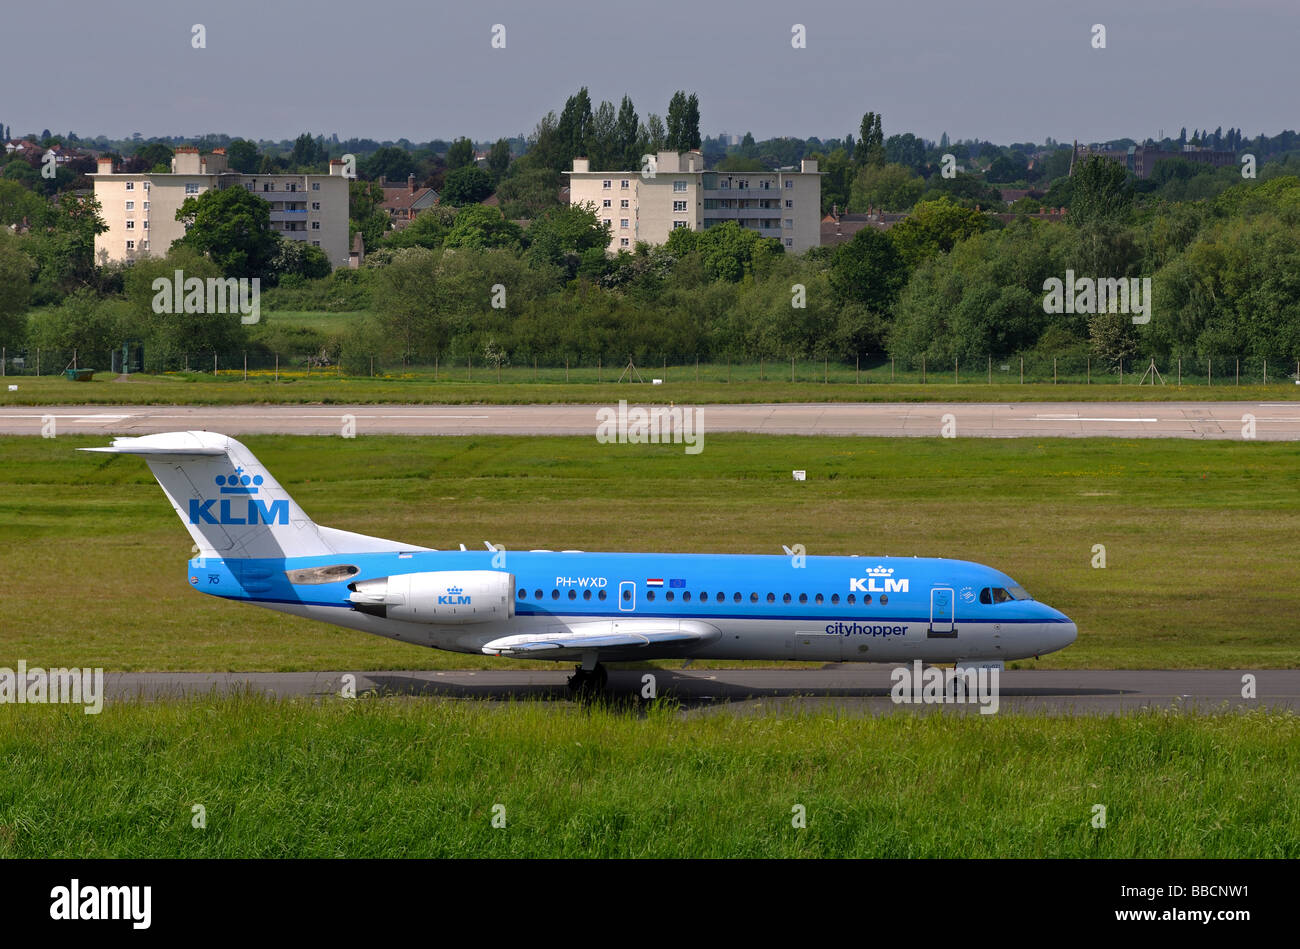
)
(457, 386)
(1199, 536)
(414, 778)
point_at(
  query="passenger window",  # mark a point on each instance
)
(537, 594)
(735, 598)
(573, 594)
(866, 598)
(753, 598)
(555, 594)
(721, 597)
(650, 594)
(586, 594)
(771, 598)
(523, 594)
(819, 599)
(686, 597)
(883, 599)
(803, 597)
(852, 599)
(601, 594)
(669, 596)
(786, 598)
(835, 599)
(627, 595)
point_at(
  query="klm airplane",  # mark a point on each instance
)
(255, 545)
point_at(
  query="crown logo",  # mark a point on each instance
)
(454, 591)
(238, 483)
(880, 571)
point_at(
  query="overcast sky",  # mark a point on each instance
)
(1005, 70)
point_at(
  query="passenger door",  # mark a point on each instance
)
(942, 618)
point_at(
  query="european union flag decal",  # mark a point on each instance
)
(677, 583)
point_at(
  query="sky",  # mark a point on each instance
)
(1001, 70)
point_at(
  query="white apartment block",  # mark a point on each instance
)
(784, 204)
(140, 209)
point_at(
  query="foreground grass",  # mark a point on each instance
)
(1198, 535)
(410, 778)
(517, 387)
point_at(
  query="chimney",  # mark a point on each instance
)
(410, 184)
(383, 180)
(104, 165)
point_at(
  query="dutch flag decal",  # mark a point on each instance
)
(655, 582)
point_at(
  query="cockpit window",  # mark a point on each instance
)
(1003, 595)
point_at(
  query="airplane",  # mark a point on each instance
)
(256, 545)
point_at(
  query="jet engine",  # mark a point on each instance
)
(445, 597)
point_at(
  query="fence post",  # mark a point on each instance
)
(826, 370)
(245, 365)
(1022, 370)
(597, 369)
(1089, 369)
(4, 356)
(214, 361)
(1180, 370)
(469, 369)
(990, 370)
(891, 368)
(435, 368)
(922, 368)
(38, 363)
(372, 365)
(954, 370)
(1209, 371)
(1266, 371)
(792, 369)
(277, 366)
(1053, 370)
(566, 368)
(1238, 370)
(857, 369)
(1121, 370)
(760, 368)
(697, 367)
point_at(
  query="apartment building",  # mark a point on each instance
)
(784, 204)
(140, 209)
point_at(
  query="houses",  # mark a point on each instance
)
(405, 202)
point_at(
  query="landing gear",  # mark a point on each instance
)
(588, 681)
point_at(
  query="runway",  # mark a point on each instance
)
(851, 689)
(1272, 421)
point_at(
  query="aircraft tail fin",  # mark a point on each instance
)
(229, 502)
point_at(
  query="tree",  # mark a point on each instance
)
(868, 270)
(652, 135)
(625, 136)
(1102, 193)
(460, 155)
(406, 296)
(528, 192)
(906, 150)
(683, 122)
(391, 162)
(16, 270)
(307, 152)
(17, 204)
(871, 141)
(232, 228)
(480, 226)
(573, 132)
(466, 185)
(149, 157)
(242, 156)
(300, 259)
(568, 232)
(64, 246)
(499, 159)
(935, 227)
(429, 229)
(887, 187)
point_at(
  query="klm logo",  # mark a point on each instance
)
(878, 580)
(455, 596)
(229, 511)
(257, 512)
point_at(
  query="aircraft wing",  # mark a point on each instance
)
(633, 638)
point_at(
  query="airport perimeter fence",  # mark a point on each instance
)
(871, 369)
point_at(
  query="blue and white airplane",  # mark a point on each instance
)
(256, 545)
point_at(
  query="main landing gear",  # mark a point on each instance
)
(588, 681)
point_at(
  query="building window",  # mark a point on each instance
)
(742, 184)
(268, 185)
(315, 225)
(146, 186)
(789, 182)
(192, 187)
(315, 186)
(609, 203)
(622, 222)
(146, 205)
(291, 186)
(609, 222)
(623, 203)
(144, 245)
(789, 203)
(789, 242)
(130, 205)
(248, 186)
(679, 205)
(624, 183)
(130, 186)
(315, 243)
(130, 245)
(145, 225)
(678, 224)
(789, 224)
(130, 225)
(607, 184)
(624, 242)
(679, 186)
(315, 205)
(765, 185)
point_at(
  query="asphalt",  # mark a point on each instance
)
(852, 689)
(1273, 421)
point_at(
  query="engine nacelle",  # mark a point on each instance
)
(446, 597)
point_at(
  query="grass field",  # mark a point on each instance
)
(412, 778)
(1199, 536)
(297, 386)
